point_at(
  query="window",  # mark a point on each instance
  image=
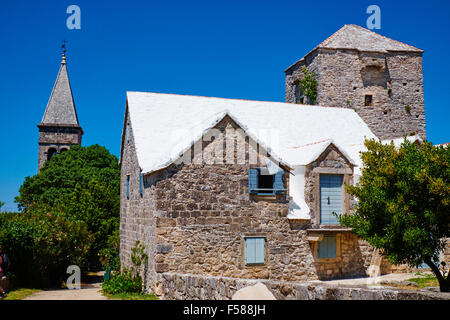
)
(327, 247)
(368, 100)
(50, 153)
(141, 184)
(261, 182)
(330, 198)
(128, 187)
(128, 132)
(255, 250)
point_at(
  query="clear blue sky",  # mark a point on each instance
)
(231, 49)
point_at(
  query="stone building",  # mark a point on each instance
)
(59, 128)
(380, 78)
(239, 188)
(247, 189)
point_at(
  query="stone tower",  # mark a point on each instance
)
(380, 78)
(59, 128)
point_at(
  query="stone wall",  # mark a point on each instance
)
(194, 217)
(204, 212)
(197, 287)
(58, 138)
(395, 80)
(446, 254)
(137, 214)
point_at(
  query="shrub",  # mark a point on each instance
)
(308, 85)
(123, 282)
(408, 108)
(128, 280)
(41, 244)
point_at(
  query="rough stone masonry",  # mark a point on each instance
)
(193, 218)
(355, 64)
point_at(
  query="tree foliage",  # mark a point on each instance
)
(84, 183)
(403, 203)
(42, 244)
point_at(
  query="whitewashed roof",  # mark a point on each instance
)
(165, 125)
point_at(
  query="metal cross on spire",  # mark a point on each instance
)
(64, 51)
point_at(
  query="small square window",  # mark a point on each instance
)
(368, 100)
(327, 248)
(261, 182)
(255, 250)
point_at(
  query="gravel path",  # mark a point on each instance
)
(87, 292)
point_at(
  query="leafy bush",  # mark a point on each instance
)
(128, 280)
(41, 244)
(123, 282)
(308, 85)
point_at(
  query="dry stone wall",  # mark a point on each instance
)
(176, 286)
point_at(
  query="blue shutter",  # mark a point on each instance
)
(330, 198)
(253, 181)
(255, 250)
(128, 187)
(327, 247)
(141, 186)
(278, 184)
(260, 250)
(249, 250)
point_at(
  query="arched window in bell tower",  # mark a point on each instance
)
(50, 153)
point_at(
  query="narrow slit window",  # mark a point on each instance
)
(128, 132)
(128, 187)
(141, 184)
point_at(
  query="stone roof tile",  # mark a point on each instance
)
(354, 37)
(61, 107)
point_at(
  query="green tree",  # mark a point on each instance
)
(84, 183)
(403, 203)
(1, 205)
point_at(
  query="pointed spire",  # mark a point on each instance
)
(61, 107)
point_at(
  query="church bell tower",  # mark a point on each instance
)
(59, 128)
